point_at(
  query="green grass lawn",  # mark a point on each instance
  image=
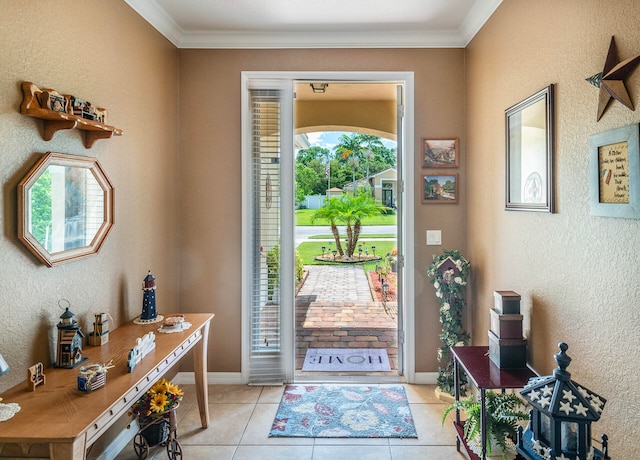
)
(368, 236)
(303, 217)
(310, 249)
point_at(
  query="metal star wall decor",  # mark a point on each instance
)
(611, 80)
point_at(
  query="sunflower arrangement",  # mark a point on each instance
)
(162, 397)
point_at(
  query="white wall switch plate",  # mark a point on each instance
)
(434, 237)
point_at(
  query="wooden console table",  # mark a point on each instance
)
(61, 422)
(485, 375)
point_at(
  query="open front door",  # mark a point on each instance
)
(268, 263)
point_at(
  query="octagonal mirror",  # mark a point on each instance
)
(65, 208)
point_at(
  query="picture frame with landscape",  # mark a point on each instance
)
(440, 152)
(440, 188)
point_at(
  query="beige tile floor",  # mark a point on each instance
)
(241, 418)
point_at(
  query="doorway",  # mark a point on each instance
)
(268, 155)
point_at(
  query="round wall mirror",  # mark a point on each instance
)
(65, 208)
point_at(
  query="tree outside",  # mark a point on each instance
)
(349, 209)
(41, 209)
(355, 156)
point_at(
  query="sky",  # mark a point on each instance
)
(329, 139)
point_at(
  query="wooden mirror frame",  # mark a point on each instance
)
(24, 202)
(535, 154)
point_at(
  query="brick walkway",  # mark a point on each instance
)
(334, 309)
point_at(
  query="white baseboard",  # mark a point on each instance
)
(426, 378)
(213, 378)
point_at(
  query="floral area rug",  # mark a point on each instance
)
(341, 411)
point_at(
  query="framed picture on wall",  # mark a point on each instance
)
(440, 188)
(614, 173)
(440, 153)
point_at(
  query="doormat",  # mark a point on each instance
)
(346, 360)
(343, 411)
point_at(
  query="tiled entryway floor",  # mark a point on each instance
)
(241, 418)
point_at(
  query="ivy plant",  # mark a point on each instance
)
(449, 272)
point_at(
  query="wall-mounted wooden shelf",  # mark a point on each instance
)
(55, 121)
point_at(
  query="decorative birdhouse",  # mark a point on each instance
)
(449, 269)
(100, 334)
(149, 312)
(70, 339)
(561, 417)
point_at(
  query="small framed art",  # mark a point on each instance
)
(440, 153)
(614, 173)
(440, 188)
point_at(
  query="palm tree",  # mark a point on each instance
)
(368, 156)
(358, 146)
(355, 208)
(330, 211)
(348, 209)
(349, 145)
(353, 162)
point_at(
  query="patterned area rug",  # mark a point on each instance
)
(341, 411)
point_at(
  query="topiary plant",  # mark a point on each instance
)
(449, 272)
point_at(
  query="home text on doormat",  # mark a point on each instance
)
(346, 360)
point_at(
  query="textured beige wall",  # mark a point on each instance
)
(578, 274)
(105, 53)
(211, 155)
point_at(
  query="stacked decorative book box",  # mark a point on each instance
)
(507, 347)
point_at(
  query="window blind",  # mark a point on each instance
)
(266, 364)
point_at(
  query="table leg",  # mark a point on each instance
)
(200, 371)
(483, 422)
(456, 392)
(75, 450)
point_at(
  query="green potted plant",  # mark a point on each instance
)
(503, 412)
(449, 272)
(273, 272)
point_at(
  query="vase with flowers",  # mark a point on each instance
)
(153, 410)
(449, 272)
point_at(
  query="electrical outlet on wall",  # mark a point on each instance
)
(434, 237)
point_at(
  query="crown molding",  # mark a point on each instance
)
(476, 19)
(161, 21)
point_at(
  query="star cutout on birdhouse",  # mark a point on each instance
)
(611, 80)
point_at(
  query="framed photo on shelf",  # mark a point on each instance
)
(440, 188)
(440, 153)
(614, 173)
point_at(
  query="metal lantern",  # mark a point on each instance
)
(561, 417)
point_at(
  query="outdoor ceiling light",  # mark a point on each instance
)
(319, 87)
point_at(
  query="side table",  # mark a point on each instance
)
(485, 375)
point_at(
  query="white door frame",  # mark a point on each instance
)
(407, 188)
